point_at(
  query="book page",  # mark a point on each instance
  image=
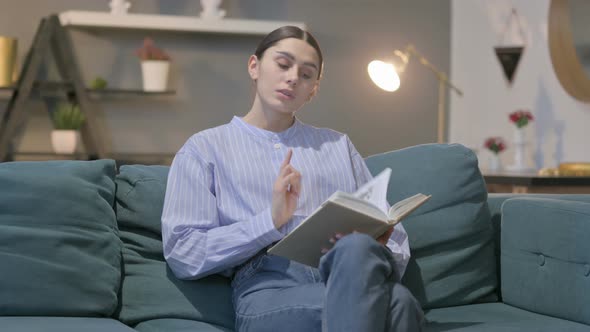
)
(375, 191)
(404, 207)
(357, 204)
(399, 205)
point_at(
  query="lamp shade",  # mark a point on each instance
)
(384, 75)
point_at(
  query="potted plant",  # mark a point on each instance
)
(67, 120)
(495, 145)
(98, 83)
(155, 65)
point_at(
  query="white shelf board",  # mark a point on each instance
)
(171, 23)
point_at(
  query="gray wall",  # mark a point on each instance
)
(210, 77)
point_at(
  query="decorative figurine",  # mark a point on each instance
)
(210, 9)
(119, 7)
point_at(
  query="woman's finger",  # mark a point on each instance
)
(292, 182)
(296, 183)
(336, 237)
(288, 169)
(287, 160)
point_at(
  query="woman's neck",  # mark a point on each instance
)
(268, 119)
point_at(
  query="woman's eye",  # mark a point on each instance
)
(306, 76)
(283, 66)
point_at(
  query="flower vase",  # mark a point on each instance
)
(495, 163)
(519, 144)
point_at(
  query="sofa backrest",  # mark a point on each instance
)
(72, 227)
(453, 259)
(451, 237)
(59, 247)
(150, 290)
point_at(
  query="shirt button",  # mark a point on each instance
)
(277, 146)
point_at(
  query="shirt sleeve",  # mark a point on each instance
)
(194, 242)
(398, 242)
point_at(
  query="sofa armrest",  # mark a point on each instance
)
(545, 256)
(495, 200)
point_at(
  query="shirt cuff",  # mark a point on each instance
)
(263, 229)
(400, 256)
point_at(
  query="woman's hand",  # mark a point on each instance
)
(285, 192)
(383, 239)
(333, 241)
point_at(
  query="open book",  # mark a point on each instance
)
(364, 211)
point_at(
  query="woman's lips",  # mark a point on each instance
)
(287, 94)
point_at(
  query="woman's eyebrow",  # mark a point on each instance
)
(290, 56)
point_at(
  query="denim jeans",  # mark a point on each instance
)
(354, 289)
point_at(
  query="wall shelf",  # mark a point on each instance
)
(171, 23)
(50, 88)
(55, 87)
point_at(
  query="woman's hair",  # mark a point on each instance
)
(289, 32)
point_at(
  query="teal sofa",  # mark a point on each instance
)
(81, 250)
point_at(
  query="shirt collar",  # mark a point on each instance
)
(266, 134)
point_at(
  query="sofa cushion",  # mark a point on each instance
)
(546, 256)
(494, 317)
(62, 324)
(178, 325)
(451, 237)
(59, 248)
(150, 290)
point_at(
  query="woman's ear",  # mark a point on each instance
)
(253, 65)
(314, 91)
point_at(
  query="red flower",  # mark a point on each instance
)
(149, 51)
(495, 144)
(521, 118)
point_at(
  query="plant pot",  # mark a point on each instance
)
(155, 74)
(64, 141)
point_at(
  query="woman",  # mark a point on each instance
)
(235, 189)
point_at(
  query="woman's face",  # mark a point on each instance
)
(286, 76)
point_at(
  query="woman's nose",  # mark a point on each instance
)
(293, 76)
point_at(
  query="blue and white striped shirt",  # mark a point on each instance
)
(217, 210)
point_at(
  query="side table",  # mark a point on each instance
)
(508, 182)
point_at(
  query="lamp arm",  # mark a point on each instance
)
(441, 76)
